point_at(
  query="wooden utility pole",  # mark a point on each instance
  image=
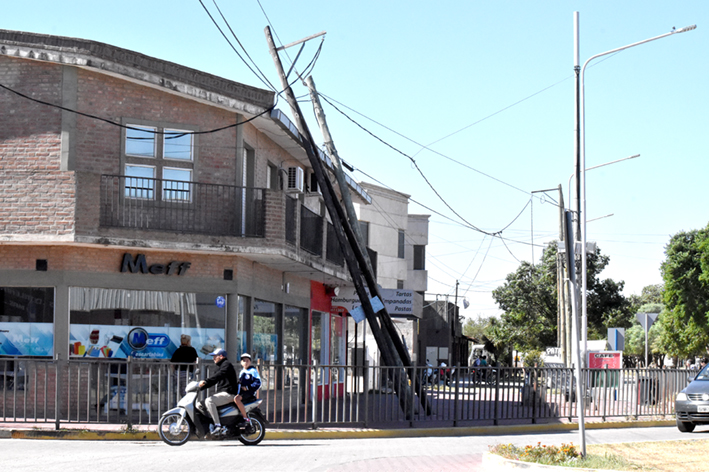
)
(384, 317)
(348, 242)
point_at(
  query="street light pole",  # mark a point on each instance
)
(582, 167)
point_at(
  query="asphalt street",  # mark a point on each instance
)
(348, 455)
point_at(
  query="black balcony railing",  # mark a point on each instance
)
(291, 220)
(334, 252)
(311, 231)
(184, 207)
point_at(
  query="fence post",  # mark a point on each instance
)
(365, 387)
(497, 396)
(455, 397)
(129, 394)
(57, 383)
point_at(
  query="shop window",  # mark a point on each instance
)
(26, 321)
(292, 329)
(266, 345)
(117, 323)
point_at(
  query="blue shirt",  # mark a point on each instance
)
(249, 382)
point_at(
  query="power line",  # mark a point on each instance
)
(417, 143)
(120, 125)
(261, 76)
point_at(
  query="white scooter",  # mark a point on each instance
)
(187, 418)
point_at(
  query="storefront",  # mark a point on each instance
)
(112, 304)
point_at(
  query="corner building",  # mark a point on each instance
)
(142, 200)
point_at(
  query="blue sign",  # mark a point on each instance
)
(221, 301)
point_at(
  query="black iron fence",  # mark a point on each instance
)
(186, 207)
(137, 392)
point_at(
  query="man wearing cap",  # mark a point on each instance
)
(225, 380)
(249, 383)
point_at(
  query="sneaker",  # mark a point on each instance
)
(214, 429)
(223, 431)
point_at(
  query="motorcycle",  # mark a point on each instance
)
(179, 424)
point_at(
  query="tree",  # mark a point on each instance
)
(529, 300)
(685, 271)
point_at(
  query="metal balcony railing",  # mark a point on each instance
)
(184, 207)
(311, 231)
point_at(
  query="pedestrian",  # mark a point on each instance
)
(184, 355)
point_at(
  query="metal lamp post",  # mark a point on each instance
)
(582, 210)
(581, 197)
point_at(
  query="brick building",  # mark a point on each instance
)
(142, 200)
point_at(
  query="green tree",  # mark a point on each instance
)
(685, 271)
(529, 301)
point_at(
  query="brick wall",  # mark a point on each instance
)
(30, 137)
(37, 202)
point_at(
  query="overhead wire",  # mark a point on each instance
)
(121, 125)
(260, 75)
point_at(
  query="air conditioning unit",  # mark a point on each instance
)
(295, 179)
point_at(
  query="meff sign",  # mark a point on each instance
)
(605, 360)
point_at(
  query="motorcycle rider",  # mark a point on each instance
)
(227, 386)
(249, 384)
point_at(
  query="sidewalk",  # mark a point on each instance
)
(118, 432)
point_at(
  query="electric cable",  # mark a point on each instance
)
(120, 125)
(263, 79)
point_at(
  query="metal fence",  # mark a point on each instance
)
(188, 207)
(137, 392)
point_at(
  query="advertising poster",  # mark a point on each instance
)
(139, 342)
(26, 339)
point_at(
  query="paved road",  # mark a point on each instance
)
(345, 455)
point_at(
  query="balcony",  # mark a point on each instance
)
(183, 207)
(270, 226)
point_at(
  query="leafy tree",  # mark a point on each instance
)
(650, 294)
(529, 300)
(685, 271)
(478, 328)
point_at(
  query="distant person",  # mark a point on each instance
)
(688, 364)
(702, 363)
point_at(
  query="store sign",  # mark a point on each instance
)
(605, 360)
(140, 265)
(396, 301)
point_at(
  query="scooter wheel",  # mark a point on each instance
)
(255, 434)
(174, 429)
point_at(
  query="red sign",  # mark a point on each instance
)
(605, 360)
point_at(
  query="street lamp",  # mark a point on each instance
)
(581, 204)
(582, 165)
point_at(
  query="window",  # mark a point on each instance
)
(400, 284)
(152, 153)
(364, 229)
(402, 244)
(272, 177)
(117, 323)
(26, 321)
(419, 257)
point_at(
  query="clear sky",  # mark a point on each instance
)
(488, 87)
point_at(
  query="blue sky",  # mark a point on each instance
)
(489, 87)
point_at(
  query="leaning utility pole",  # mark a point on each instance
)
(346, 237)
(384, 317)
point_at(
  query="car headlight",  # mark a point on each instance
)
(681, 397)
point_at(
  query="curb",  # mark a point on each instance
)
(276, 434)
